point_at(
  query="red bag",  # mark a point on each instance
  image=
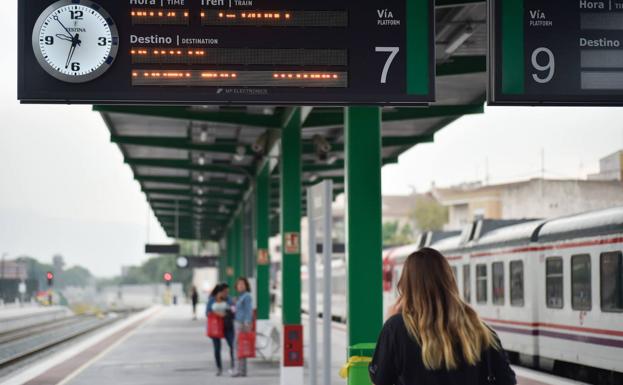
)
(215, 327)
(246, 345)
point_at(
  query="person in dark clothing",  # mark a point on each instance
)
(220, 304)
(194, 297)
(435, 337)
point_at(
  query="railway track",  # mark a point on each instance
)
(17, 345)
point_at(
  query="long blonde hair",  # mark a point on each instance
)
(447, 329)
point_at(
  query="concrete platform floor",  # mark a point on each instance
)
(170, 348)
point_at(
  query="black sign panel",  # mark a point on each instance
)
(305, 52)
(556, 52)
(162, 249)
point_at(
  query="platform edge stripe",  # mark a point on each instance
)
(60, 357)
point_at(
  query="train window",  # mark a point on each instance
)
(467, 283)
(497, 280)
(581, 282)
(554, 283)
(612, 281)
(481, 283)
(516, 277)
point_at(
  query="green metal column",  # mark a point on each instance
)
(262, 231)
(363, 223)
(290, 169)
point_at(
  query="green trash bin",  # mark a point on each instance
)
(358, 369)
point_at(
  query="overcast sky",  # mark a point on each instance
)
(64, 188)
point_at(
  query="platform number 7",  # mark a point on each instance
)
(393, 51)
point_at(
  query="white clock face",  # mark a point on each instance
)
(75, 41)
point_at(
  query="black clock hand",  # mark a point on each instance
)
(76, 42)
(65, 37)
(55, 17)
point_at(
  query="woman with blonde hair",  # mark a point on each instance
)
(435, 337)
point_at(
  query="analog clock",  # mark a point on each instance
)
(75, 40)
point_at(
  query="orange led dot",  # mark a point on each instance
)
(159, 13)
(220, 14)
(290, 75)
(151, 13)
(287, 15)
(185, 14)
(203, 14)
(233, 75)
(283, 75)
(277, 16)
(305, 76)
(133, 13)
(334, 76)
(275, 75)
(298, 76)
(134, 74)
(132, 52)
(244, 15)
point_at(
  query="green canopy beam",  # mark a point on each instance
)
(192, 183)
(323, 119)
(186, 165)
(185, 113)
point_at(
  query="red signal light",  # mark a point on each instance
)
(168, 277)
(50, 275)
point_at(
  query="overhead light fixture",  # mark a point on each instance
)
(332, 159)
(240, 153)
(201, 160)
(199, 191)
(313, 178)
(259, 147)
(460, 38)
(203, 136)
(321, 147)
(200, 178)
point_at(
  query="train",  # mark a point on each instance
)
(551, 288)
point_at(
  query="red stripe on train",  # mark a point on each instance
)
(618, 333)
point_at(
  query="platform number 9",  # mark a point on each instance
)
(393, 51)
(549, 67)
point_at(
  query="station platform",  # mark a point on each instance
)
(15, 317)
(163, 346)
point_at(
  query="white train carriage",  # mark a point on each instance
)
(553, 289)
(580, 281)
(494, 269)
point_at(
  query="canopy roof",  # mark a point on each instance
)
(196, 165)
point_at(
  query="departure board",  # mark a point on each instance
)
(280, 52)
(558, 52)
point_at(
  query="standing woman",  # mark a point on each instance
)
(220, 305)
(194, 297)
(244, 318)
(435, 337)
